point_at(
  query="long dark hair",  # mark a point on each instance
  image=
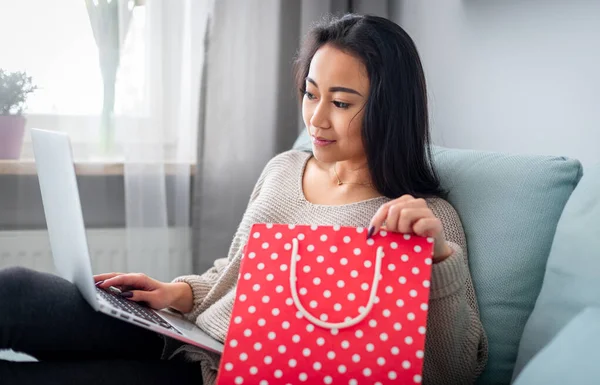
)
(395, 129)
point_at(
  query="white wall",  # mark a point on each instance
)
(520, 76)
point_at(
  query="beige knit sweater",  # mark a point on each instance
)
(456, 345)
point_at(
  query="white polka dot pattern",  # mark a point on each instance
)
(270, 342)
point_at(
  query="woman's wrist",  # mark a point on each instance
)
(183, 297)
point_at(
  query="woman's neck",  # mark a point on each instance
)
(352, 172)
(320, 184)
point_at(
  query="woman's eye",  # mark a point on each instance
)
(341, 105)
(309, 95)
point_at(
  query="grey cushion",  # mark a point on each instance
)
(572, 280)
(571, 357)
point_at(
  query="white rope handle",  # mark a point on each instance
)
(328, 325)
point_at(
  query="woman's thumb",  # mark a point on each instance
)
(137, 295)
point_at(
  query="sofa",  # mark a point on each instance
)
(534, 254)
(533, 242)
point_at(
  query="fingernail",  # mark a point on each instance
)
(371, 231)
(126, 294)
(99, 283)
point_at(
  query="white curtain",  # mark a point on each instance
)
(156, 124)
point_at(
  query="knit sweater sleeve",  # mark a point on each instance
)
(456, 344)
(202, 284)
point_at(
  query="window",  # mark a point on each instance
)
(65, 45)
(53, 42)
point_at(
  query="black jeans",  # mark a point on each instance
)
(46, 317)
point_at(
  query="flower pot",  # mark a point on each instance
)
(12, 129)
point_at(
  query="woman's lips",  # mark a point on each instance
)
(321, 142)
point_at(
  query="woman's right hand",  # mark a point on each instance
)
(141, 288)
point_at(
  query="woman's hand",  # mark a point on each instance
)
(141, 288)
(409, 215)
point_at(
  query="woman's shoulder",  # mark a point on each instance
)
(290, 157)
(450, 219)
(442, 209)
(286, 161)
(437, 203)
(285, 165)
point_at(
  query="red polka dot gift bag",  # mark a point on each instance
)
(324, 305)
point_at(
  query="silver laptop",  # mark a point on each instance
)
(60, 196)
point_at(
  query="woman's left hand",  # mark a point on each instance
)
(409, 215)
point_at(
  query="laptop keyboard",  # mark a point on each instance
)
(133, 308)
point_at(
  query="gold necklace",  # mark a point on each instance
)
(339, 182)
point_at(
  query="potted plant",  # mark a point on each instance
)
(15, 87)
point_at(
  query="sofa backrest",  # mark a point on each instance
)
(572, 278)
(509, 206)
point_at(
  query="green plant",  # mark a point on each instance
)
(15, 88)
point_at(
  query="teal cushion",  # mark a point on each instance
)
(571, 357)
(303, 142)
(509, 206)
(572, 280)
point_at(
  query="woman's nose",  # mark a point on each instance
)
(320, 117)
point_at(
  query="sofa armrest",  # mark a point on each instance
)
(572, 357)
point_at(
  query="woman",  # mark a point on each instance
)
(364, 105)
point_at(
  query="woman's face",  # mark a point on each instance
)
(337, 87)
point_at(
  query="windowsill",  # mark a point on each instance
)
(27, 167)
(102, 186)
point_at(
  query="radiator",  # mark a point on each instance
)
(162, 254)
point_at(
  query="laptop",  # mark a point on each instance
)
(64, 218)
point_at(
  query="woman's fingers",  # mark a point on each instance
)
(427, 227)
(159, 298)
(378, 220)
(101, 278)
(391, 213)
(409, 216)
(393, 216)
(131, 280)
(104, 276)
(138, 295)
(381, 215)
(137, 287)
